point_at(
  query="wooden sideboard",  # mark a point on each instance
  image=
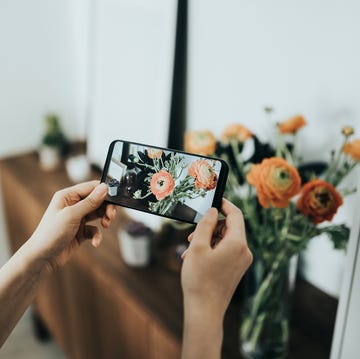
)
(97, 307)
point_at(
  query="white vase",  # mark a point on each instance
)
(78, 168)
(135, 250)
(49, 158)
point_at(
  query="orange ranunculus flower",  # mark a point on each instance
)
(319, 201)
(292, 125)
(347, 131)
(154, 152)
(162, 184)
(352, 149)
(204, 175)
(236, 131)
(276, 182)
(200, 142)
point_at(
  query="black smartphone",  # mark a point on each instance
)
(161, 181)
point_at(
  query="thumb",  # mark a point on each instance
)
(92, 202)
(205, 228)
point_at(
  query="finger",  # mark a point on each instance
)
(71, 195)
(227, 207)
(93, 233)
(105, 222)
(109, 215)
(107, 211)
(234, 221)
(183, 254)
(98, 213)
(90, 203)
(190, 237)
(219, 233)
(84, 188)
(110, 212)
(205, 228)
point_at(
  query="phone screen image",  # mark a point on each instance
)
(161, 181)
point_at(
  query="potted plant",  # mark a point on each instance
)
(113, 185)
(54, 144)
(134, 241)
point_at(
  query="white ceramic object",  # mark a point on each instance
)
(152, 221)
(134, 250)
(78, 168)
(49, 158)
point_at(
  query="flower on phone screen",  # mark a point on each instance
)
(154, 153)
(204, 175)
(162, 184)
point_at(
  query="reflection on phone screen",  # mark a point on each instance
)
(172, 184)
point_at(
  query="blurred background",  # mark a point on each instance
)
(148, 71)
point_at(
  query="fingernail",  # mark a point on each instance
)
(190, 237)
(100, 189)
(96, 241)
(183, 254)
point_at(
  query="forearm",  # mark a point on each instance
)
(203, 333)
(19, 279)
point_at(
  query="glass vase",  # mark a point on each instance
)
(264, 327)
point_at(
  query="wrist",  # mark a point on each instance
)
(33, 258)
(203, 330)
(209, 310)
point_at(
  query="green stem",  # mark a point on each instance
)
(260, 298)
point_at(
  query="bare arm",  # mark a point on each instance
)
(210, 275)
(62, 229)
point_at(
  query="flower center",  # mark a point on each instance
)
(323, 198)
(282, 178)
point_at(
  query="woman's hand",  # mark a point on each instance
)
(214, 263)
(64, 224)
(61, 230)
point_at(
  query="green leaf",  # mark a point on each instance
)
(338, 234)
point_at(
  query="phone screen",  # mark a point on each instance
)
(161, 181)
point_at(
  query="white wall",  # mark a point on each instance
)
(297, 56)
(4, 249)
(43, 67)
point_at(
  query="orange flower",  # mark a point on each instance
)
(200, 142)
(347, 131)
(292, 125)
(352, 149)
(154, 153)
(319, 201)
(162, 184)
(276, 181)
(236, 131)
(204, 175)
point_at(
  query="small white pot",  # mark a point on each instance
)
(78, 168)
(49, 158)
(134, 250)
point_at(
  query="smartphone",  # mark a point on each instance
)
(161, 181)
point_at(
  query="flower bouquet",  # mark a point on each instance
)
(285, 203)
(171, 178)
